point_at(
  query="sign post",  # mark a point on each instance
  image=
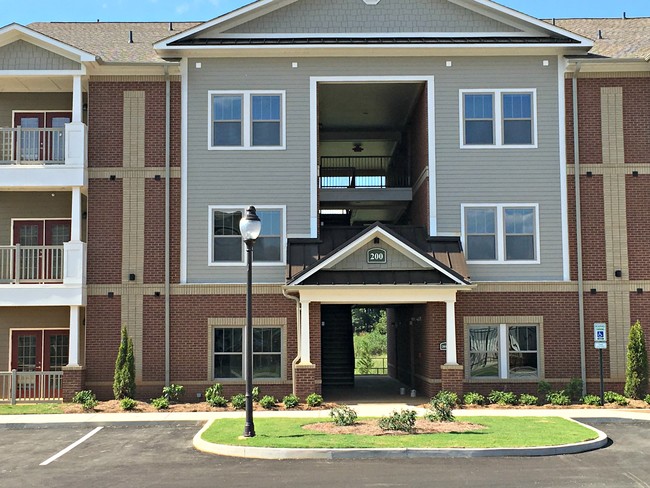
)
(600, 343)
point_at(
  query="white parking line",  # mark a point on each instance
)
(71, 446)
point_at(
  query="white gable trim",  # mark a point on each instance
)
(390, 240)
(13, 32)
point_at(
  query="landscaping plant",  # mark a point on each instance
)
(290, 401)
(160, 403)
(86, 398)
(502, 397)
(544, 388)
(314, 400)
(526, 399)
(255, 393)
(403, 421)
(128, 404)
(238, 401)
(558, 398)
(574, 389)
(343, 415)
(124, 376)
(268, 402)
(473, 398)
(613, 397)
(173, 392)
(591, 400)
(647, 399)
(636, 367)
(441, 406)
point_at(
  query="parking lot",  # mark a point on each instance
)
(161, 455)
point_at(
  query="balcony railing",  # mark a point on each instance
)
(32, 146)
(362, 172)
(30, 387)
(31, 264)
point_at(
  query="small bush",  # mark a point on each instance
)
(128, 404)
(160, 403)
(441, 406)
(647, 399)
(291, 401)
(343, 415)
(636, 365)
(544, 388)
(86, 398)
(473, 398)
(215, 390)
(255, 393)
(526, 399)
(617, 398)
(574, 389)
(558, 398)
(124, 376)
(591, 400)
(217, 401)
(403, 421)
(238, 401)
(173, 392)
(314, 400)
(502, 397)
(268, 402)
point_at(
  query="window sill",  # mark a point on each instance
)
(226, 264)
(537, 261)
(498, 146)
(251, 148)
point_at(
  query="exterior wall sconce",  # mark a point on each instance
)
(111, 294)
(132, 277)
(618, 273)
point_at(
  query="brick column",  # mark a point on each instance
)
(452, 378)
(304, 381)
(74, 380)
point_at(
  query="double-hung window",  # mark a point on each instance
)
(227, 245)
(228, 353)
(498, 118)
(241, 120)
(501, 233)
(504, 351)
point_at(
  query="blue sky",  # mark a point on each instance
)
(28, 11)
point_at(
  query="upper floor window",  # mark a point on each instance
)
(498, 118)
(227, 246)
(501, 233)
(242, 120)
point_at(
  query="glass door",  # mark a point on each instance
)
(29, 140)
(28, 261)
(54, 146)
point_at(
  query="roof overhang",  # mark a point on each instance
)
(14, 32)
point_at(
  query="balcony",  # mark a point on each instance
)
(43, 157)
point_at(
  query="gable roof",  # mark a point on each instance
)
(14, 32)
(393, 239)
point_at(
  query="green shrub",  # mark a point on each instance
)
(128, 404)
(314, 400)
(591, 400)
(636, 366)
(217, 401)
(403, 421)
(290, 401)
(160, 403)
(440, 407)
(268, 402)
(558, 398)
(173, 392)
(544, 388)
(574, 389)
(647, 399)
(502, 397)
(473, 398)
(526, 399)
(364, 358)
(613, 397)
(238, 401)
(124, 376)
(343, 415)
(86, 398)
(255, 393)
(213, 391)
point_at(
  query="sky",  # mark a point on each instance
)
(27, 11)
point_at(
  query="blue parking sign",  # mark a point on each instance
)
(600, 332)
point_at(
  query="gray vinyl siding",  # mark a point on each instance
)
(21, 55)
(354, 16)
(31, 101)
(31, 205)
(463, 175)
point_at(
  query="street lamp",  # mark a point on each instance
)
(250, 227)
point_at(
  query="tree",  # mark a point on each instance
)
(636, 370)
(124, 378)
(364, 319)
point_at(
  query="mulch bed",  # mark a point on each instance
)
(372, 428)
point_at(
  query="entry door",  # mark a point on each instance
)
(55, 147)
(36, 262)
(30, 137)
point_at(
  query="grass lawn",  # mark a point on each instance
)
(24, 409)
(499, 432)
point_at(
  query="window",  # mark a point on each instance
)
(498, 118)
(487, 344)
(242, 120)
(501, 233)
(229, 356)
(227, 246)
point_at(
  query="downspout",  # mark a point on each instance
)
(167, 219)
(576, 167)
(297, 358)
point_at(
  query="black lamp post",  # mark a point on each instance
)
(250, 227)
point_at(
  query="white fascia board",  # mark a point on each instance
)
(357, 35)
(17, 31)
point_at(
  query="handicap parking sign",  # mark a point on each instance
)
(600, 332)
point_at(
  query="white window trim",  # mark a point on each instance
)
(501, 232)
(242, 208)
(498, 118)
(504, 363)
(283, 353)
(247, 120)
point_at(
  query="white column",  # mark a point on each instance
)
(77, 99)
(75, 329)
(75, 225)
(305, 354)
(451, 333)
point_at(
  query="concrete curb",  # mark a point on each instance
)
(403, 453)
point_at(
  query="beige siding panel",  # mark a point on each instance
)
(22, 55)
(395, 260)
(31, 205)
(31, 101)
(354, 16)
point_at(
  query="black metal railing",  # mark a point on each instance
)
(363, 172)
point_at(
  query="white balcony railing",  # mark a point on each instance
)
(32, 146)
(31, 264)
(30, 387)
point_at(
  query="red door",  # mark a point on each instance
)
(30, 142)
(30, 234)
(53, 146)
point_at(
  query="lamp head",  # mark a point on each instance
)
(250, 225)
